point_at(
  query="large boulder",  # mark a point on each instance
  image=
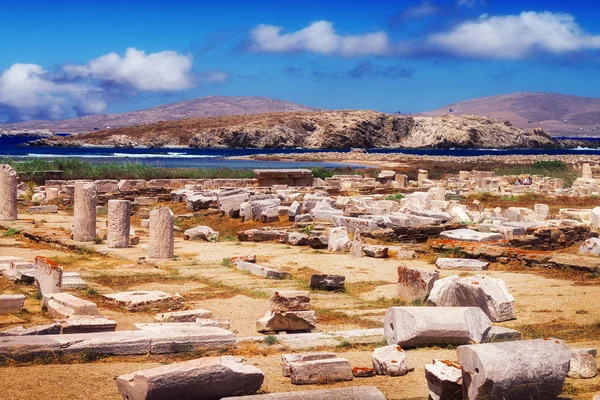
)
(204, 378)
(416, 326)
(526, 369)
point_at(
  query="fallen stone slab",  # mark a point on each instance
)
(318, 372)
(48, 276)
(262, 271)
(461, 264)
(469, 235)
(42, 209)
(514, 370)
(286, 359)
(72, 281)
(182, 316)
(145, 201)
(262, 235)
(583, 364)
(501, 334)
(390, 361)
(416, 326)
(204, 378)
(292, 321)
(308, 341)
(444, 380)
(20, 272)
(144, 299)
(11, 303)
(489, 294)
(327, 282)
(87, 324)
(297, 239)
(63, 305)
(353, 223)
(415, 284)
(353, 392)
(218, 322)
(318, 241)
(290, 300)
(375, 251)
(48, 329)
(5, 262)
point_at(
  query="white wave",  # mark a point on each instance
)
(118, 155)
(579, 148)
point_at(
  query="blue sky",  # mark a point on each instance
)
(65, 58)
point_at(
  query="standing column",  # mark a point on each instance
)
(8, 193)
(119, 212)
(161, 233)
(84, 220)
(422, 176)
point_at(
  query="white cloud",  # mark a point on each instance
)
(318, 37)
(515, 36)
(162, 71)
(215, 76)
(467, 3)
(422, 10)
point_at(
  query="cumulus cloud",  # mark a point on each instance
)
(515, 36)
(318, 37)
(28, 91)
(421, 10)
(162, 71)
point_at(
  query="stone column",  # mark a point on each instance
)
(118, 223)
(8, 193)
(84, 220)
(422, 175)
(161, 233)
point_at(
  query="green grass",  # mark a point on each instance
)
(395, 197)
(12, 232)
(553, 169)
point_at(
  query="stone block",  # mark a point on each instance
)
(47, 275)
(63, 305)
(201, 232)
(415, 284)
(286, 359)
(182, 316)
(292, 321)
(262, 271)
(502, 334)
(375, 251)
(144, 299)
(297, 239)
(290, 300)
(390, 361)
(327, 282)
(444, 380)
(461, 264)
(87, 324)
(469, 235)
(323, 371)
(583, 364)
(352, 392)
(338, 240)
(11, 303)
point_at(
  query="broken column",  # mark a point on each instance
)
(161, 240)
(118, 223)
(356, 247)
(203, 378)
(390, 361)
(514, 370)
(84, 219)
(321, 371)
(290, 312)
(422, 175)
(444, 380)
(8, 193)
(415, 326)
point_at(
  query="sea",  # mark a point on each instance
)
(15, 148)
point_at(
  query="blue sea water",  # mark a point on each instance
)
(215, 158)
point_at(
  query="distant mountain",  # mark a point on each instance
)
(557, 114)
(209, 106)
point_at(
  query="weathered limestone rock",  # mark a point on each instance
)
(231, 200)
(583, 364)
(514, 370)
(294, 210)
(462, 264)
(338, 240)
(143, 299)
(260, 270)
(502, 334)
(415, 284)
(390, 361)
(444, 380)
(145, 201)
(8, 193)
(182, 316)
(590, 247)
(161, 239)
(201, 232)
(84, 212)
(318, 241)
(63, 305)
(422, 176)
(11, 303)
(324, 371)
(198, 202)
(49, 329)
(5, 262)
(415, 326)
(119, 226)
(362, 224)
(297, 239)
(353, 392)
(286, 359)
(20, 272)
(595, 217)
(87, 324)
(204, 378)
(51, 209)
(72, 281)
(356, 247)
(489, 294)
(292, 321)
(47, 275)
(290, 300)
(376, 251)
(218, 322)
(303, 218)
(327, 282)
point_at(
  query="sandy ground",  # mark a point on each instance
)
(206, 283)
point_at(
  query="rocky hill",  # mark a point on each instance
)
(209, 106)
(323, 129)
(557, 114)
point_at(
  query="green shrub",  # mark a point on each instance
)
(12, 232)
(395, 197)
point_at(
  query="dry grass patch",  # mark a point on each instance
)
(327, 316)
(561, 328)
(123, 282)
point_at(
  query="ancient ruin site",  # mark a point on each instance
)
(389, 283)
